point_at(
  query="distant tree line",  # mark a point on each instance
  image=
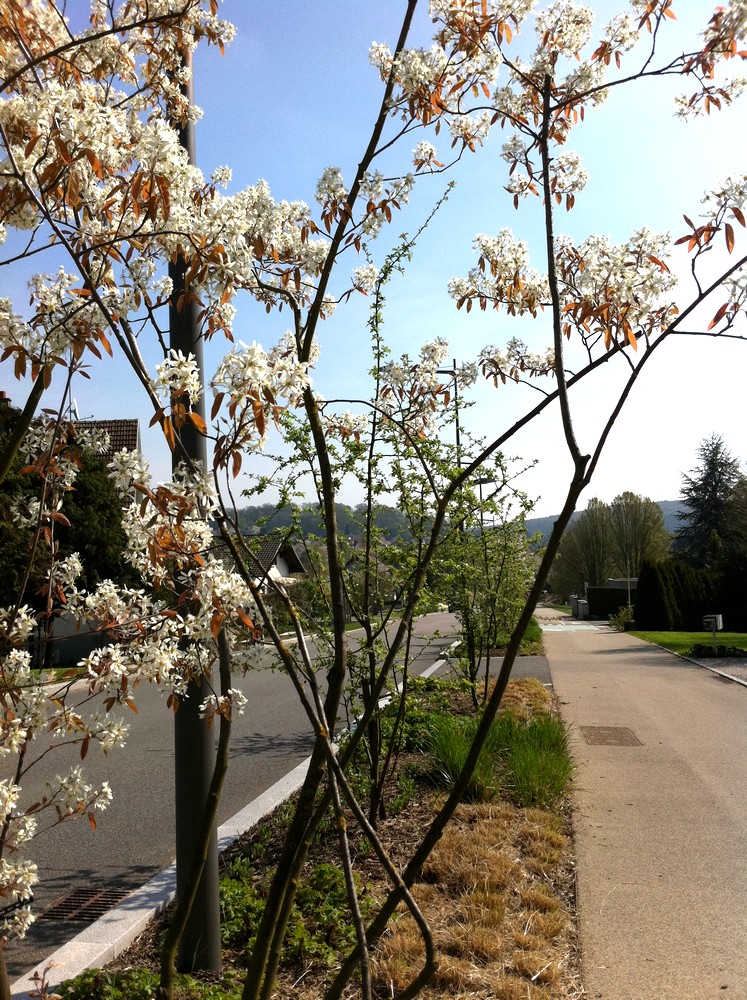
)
(707, 573)
(609, 540)
(698, 569)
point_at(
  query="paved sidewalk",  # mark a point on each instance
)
(661, 823)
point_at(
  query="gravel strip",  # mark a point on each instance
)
(734, 666)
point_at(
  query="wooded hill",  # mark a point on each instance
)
(543, 525)
(263, 519)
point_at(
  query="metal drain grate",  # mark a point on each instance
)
(85, 904)
(610, 736)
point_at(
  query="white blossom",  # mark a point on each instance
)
(365, 277)
(424, 155)
(177, 375)
(330, 186)
(564, 25)
(226, 705)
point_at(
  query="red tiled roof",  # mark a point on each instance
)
(123, 434)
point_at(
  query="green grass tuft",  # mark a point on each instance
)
(531, 762)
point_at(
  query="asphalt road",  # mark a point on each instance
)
(134, 839)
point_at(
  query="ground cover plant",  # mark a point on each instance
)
(498, 890)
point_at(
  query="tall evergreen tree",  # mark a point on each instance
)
(705, 495)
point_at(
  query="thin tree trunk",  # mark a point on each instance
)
(186, 899)
(5, 993)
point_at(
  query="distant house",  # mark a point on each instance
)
(124, 435)
(273, 558)
(278, 560)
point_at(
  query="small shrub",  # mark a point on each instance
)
(139, 984)
(702, 650)
(98, 984)
(622, 620)
(405, 793)
(319, 928)
(241, 904)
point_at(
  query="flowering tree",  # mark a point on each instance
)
(95, 180)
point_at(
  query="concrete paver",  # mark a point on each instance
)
(661, 827)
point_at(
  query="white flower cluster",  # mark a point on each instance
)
(514, 150)
(73, 794)
(521, 185)
(502, 276)
(564, 26)
(256, 381)
(587, 78)
(127, 467)
(50, 335)
(330, 186)
(513, 361)
(629, 278)
(65, 573)
(178, 375)
(410, 392)
(568, 176)
(364, 278)
(17, 879)
(23, 624)
(621, 32)
(424, 155)
(731, 193)
(345, 424)
(731, 22)
(471, 129)
(226, 705)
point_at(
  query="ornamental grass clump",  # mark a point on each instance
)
(449, 743)
(529, 762)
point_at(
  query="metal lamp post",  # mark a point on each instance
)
(194, 749)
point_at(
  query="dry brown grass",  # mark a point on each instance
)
(526, 698)
(498, 897)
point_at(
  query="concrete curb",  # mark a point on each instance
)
(106, 938)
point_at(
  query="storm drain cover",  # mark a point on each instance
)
(85, 904)
(609, 736)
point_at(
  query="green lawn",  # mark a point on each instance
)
(680, 642)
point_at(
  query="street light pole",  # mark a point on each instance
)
(453, 373)
(194, 749)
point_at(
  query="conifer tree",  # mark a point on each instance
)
(705, 496)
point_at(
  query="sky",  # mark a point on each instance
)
(295, 93)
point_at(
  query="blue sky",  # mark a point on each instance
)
(295, 93)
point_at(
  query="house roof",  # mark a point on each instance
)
(123, 434)
(271, 547)
(274, 546)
